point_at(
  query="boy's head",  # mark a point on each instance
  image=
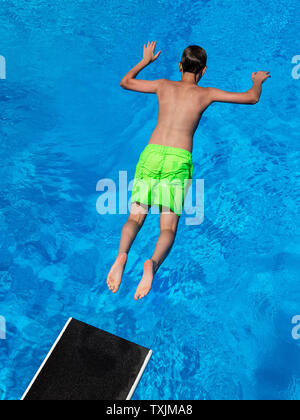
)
(194, 60)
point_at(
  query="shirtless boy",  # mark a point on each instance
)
(167, 159)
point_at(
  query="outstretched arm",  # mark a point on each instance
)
(130, 82)
(251, 97)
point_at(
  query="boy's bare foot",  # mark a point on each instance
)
(114, 278)
(146, 283)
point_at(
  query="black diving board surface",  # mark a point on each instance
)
(88, 364)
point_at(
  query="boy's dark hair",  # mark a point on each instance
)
(194, 59)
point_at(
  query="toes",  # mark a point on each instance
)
(110, 284)
(112, 287)
(139, 296)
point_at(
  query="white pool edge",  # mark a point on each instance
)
(139, 377)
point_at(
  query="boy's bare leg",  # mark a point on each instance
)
(130, 230)
(168, 229)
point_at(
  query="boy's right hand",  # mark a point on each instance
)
(149, 53)
(260, 76)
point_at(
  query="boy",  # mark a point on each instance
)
(166, 164)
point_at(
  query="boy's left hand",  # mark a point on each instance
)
(149, 53)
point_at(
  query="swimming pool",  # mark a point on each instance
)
(219, 317)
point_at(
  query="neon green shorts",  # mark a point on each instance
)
(163, 177)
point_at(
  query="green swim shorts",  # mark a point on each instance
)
(163, 177)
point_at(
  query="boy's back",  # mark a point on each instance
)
(181, 105)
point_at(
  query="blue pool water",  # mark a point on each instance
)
(219, 316)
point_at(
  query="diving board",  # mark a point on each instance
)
(88, 364)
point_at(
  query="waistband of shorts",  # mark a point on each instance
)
(168, 150)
